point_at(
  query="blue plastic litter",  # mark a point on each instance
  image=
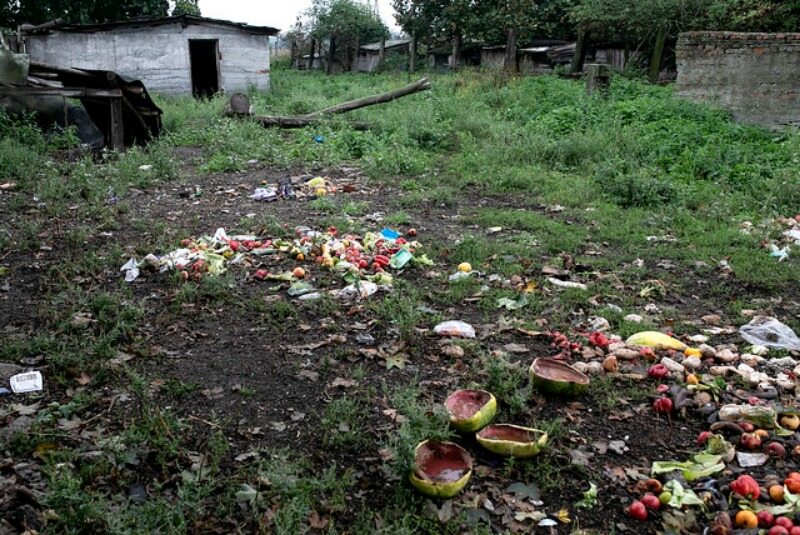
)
(389, 234)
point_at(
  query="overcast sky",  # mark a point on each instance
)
(279, 14)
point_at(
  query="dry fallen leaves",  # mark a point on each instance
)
(316, 521)
(342, 382)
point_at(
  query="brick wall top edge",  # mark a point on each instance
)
(706, 36)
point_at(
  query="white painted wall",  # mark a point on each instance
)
(158, 55)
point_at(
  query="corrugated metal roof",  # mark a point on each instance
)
(390, 43)
(148, 22)
(535, 49)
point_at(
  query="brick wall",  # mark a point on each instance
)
(754, 75)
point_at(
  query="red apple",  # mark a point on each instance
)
(651, 501)
(765, 519)
(751, 441)
(703, 437)
(637, 510)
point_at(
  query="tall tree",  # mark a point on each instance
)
(414, 17)
(455, 20)
(346, 25)
(513, 19)
(186, 7)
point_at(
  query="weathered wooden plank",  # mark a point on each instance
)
(69, 92)
(117, 127)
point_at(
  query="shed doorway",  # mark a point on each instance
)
(204, 58)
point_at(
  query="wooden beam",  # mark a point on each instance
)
(420, 85)
(117, 128)
(69, 92)
(299, 121)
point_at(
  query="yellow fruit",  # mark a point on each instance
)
(316, 182)
(320, 192)
(746, 519)
(692, 352)
(692, 379)
(465, 267)
(790, 422)
(776, 492)
(656, 340)
(300, 257)
(762, 433)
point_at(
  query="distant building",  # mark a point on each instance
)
(369, 55)
(171, 55)
(440, 57)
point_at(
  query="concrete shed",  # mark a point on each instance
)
(172, 55)
(369, 55)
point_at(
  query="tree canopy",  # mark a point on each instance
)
(631, 21)
(186, 7)
(16, 12)
(346, 24)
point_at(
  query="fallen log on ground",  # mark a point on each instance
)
(239, 106)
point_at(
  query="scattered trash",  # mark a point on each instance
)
(769, 332)
(362, 261)
(361, 290)
(456, 329)
(285, 189)
(265, 194)
(780, 253)
(400, 259)
(26, 382)
(298, 289)
(4, 391)
(131, 269)
(145, 167)
(793, 234)
(748, 460)
(111, 196)
(461, 275)
(567, 284)
(512, 304)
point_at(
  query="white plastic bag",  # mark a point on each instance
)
(455, 328)
(26, 382)
(769, 332)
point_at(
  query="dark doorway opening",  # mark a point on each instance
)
(204, 58)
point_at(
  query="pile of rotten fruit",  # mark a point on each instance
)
(750, 432)
(362, 261)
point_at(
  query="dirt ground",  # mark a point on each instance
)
(264, 374)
